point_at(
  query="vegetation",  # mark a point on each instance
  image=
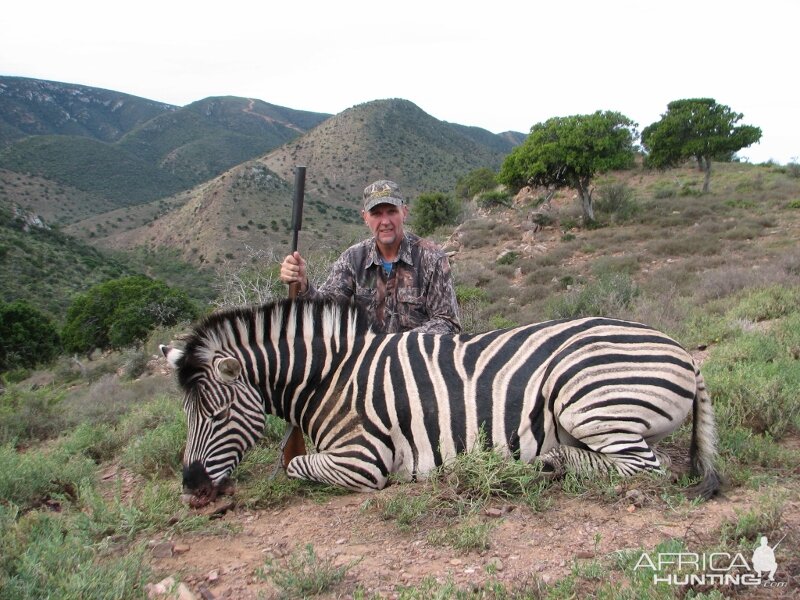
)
(27, 337)
(434, 210)
(569, 152)
(697, 128)
(722, 274)
(475, 182)
(122, 312)
(46, 268)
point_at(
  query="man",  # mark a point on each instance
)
(402, 280)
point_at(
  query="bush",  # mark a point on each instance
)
(122, 312)
(28, 414)
(29, 479)
(475, 182)
(617, 201)
(494, 198)
(27, 336)
(611, 295)
(434, 210)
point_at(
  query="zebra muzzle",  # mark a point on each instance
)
(199, 489)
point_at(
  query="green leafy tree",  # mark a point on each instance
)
(122, 312)
(475, 182)
(432, 210)
(567, 152)
(27, 336)
(696, 128)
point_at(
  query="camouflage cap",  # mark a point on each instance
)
(382, 191)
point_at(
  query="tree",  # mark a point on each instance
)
(567, 152)
(696, 128)
(475, 182)
(27, 336)
(122, 312)
(432, 210)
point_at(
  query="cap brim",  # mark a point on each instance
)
(385, 200)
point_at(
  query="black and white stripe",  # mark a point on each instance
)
(589, 394)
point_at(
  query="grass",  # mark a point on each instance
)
(304, 574)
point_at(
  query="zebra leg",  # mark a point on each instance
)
(349, 468)
(626, 457)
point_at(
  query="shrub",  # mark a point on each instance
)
(494, 198)
(28, 414)
(27, 336)
(609, 296)
(122, 312)
(475, 182)
(617, 201)
(158, 450)
(434, 210)
(44, 557)
(29, 479)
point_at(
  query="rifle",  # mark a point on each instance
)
(293, 443)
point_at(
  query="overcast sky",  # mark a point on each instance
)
(501, 65)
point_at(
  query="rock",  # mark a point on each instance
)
(205, 593)
(184, 593)
(180, 548)
(162, 549)
(163, 587)
(495, 563)
(493, 512)
(212, 576)
(635, 497)
(455, 562)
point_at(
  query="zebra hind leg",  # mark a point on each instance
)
(633, 458)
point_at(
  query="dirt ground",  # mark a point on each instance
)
(526, 546)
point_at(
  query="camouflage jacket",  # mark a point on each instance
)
(417, 295)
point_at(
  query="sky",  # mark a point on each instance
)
(501, 65)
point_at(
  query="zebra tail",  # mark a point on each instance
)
(703, 449)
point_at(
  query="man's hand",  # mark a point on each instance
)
(293, 270)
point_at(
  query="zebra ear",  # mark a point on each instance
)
(228, 368)
(173, 355)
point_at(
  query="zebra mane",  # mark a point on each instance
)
(222, 331)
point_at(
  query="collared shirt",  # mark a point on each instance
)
(416, 295)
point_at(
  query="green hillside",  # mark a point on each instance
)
(47, 268)
(208, 137)
(92, 166)
(39, 107)
(129, 150)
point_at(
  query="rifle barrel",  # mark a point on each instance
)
(297, 205)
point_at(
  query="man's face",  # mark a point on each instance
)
(385, 221)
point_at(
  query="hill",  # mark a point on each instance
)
(45, 267)
(55, 203)
(387, 139)
(250, 205)
(38, 107)
(130, 150)
(205, 138)
(247, 209)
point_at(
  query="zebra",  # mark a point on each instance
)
(586, 395)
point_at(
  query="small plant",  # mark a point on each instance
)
(494, 198)
(464, 537)
(749, 526)
(304, 574)
(508, 258)
(609, 296)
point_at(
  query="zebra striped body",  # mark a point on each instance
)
(588, 394)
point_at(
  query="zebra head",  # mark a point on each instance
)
(225, 417)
